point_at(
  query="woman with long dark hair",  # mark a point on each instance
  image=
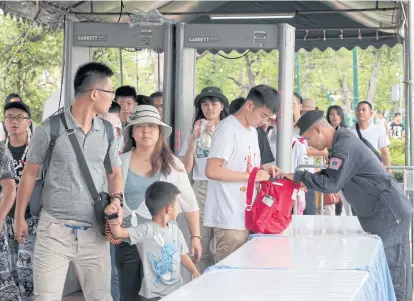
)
(335, 116)
(211, 107)
(146, 159)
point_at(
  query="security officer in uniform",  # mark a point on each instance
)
(379, 202)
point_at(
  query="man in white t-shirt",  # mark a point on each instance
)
(373, 133)
(233, 154)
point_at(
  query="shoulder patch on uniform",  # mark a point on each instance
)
(335, 163)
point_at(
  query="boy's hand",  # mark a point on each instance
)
(272, 170)
(113, 209)
(110, 209)
(262, 175)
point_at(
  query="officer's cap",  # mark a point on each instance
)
(307, 120)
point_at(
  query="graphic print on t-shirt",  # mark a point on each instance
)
(19, 158)
(249, 165)
(163, 266)
(200, 152)
(396, 130)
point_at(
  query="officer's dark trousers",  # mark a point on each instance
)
(310, 198)
(128, 264)
(397, 250)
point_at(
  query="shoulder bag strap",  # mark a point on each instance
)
(367, 143)
(250, 187)
(81, 159)
(358, 131)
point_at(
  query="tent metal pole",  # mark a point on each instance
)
(68, 44)
(168, 88)
(410, 55)
(179, 74)
(406, 48)
(121, 67)
(285, 114)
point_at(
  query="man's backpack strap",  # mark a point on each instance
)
(54, 134)
(111, 137)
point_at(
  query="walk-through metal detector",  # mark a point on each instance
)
(80, 37)
(190, 37)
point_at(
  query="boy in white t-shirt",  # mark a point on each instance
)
(160, 242)
(375, 134)
(233, 154)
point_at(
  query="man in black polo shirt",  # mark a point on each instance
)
(17, 122)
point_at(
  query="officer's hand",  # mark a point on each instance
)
(262, 175)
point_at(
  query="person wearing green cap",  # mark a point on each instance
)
(377, 199)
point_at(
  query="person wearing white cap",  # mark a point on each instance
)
(147, 159)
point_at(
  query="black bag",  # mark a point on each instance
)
(367, 143)
(35, 204)
(101, 199)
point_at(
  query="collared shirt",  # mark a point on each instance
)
(65, 194)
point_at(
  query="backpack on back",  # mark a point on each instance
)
(271, 212)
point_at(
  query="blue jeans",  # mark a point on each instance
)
(114, 277)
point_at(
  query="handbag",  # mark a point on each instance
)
(102, 199)
(330, 198)
(271, 212)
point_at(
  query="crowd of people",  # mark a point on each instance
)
(149, 186)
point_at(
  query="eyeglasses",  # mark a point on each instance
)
(19, 118)
(102, 90)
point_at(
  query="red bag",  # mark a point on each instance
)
(271, 212)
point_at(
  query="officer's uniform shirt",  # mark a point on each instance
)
(378, 200)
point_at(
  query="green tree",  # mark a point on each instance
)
(30, 59)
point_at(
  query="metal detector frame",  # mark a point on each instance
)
(82, 36)
(190, 37)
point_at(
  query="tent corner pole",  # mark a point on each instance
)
(67, 75)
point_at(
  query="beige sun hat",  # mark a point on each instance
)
(144, 114)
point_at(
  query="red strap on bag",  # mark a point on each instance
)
(250, 188)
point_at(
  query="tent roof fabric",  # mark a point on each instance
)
(319, 24)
